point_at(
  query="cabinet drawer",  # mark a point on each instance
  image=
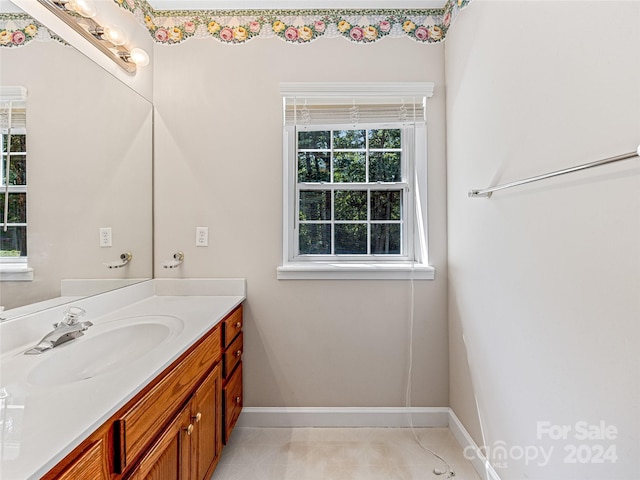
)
(141, 423)
(90, 465)
(232, 397)
(232, 325)
(232, 356)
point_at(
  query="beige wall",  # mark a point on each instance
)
(218, 163)
(89, 166)
(544, 279)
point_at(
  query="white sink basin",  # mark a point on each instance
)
(104, 348)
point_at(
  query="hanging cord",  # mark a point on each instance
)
(448, 471)
(8, 169)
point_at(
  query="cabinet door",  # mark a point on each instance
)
(206, 416)
(168, 458)
(232, 400)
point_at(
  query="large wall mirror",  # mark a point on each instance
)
(88, 166)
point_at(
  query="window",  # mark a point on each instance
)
(354, 181)
(13, 185)
(351, 192)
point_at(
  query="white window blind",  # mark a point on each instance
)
(13, 107)
(315, 104)
(311, 112)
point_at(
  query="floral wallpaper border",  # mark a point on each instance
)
(295, 26)
(18, 29)
(239, 26)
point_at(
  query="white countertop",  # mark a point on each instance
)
(40, 425)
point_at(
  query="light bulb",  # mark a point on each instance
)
(139, 57)
(113, 34)
(86, 8)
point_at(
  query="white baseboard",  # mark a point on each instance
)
(369, 417)
(476, 457)
(344, 417)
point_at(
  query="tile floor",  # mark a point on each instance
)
(340, 454)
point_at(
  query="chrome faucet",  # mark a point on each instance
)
(68, 329)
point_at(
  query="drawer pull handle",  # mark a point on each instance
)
(197, 417)
(189, 429)
(238, 324)
(238, 400)
(238, 353)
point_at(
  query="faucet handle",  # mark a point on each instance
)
(71, 315)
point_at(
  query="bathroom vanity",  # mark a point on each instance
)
(109, 406)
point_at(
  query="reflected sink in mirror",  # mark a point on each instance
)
(105, 348)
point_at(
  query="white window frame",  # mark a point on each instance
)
(413, 263)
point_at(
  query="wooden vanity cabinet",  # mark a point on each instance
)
(232, 349)
(175, 427)
(189, 447)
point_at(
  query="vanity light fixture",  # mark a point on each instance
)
(111, 33)
(78, 14)
(86, 8)
(137, 56)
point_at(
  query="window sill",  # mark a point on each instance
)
(15, 273)
(355, 271)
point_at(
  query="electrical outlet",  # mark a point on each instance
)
(202, 236)
(105, 237)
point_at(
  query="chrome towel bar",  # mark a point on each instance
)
(486, 193)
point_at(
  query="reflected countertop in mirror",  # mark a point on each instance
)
(89, 166)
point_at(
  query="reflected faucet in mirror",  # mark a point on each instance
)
(68, 329)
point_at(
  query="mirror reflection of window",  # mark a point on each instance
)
(13, 179)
